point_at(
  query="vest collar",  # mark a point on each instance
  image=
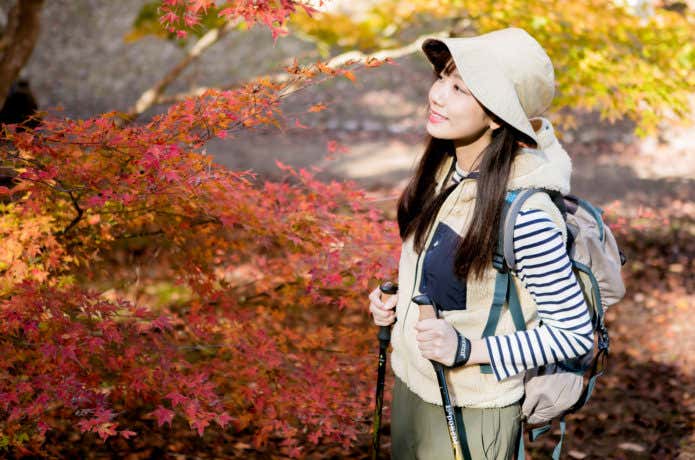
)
(547, 166)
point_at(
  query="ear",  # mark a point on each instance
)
(494, 125)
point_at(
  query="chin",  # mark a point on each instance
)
(438, 133)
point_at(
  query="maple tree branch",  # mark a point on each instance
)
(18, 41)
(150, 97)
(44, 183)
(78, 217)
(358, 57)
(278, 287)
(350, 57)
(195, 223)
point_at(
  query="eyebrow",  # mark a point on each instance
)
(454, 74)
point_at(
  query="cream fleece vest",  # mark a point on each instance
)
(549, 167)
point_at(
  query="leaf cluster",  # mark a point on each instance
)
(100, 212)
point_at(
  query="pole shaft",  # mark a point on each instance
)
(379, 397)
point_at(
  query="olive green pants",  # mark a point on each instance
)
(419, 430)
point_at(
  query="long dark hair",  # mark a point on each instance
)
(418, 205)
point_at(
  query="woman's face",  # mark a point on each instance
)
(454, 113)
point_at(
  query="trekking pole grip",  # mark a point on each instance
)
(427, 309)
(389, 288)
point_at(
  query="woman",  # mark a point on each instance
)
(485, 140)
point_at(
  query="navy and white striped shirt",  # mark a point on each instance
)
(545, 271)
(460, 174)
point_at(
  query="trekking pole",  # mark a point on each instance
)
(429, 310)
(387, 287)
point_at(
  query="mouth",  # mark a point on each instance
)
(436, 117)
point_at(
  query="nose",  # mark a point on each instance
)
(437, 93)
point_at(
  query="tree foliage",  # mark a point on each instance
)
(255, 261)
(607, 57)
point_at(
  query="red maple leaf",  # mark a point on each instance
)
(127, 434)
(223, 419)
(176, 398)
(199, 425)
(162, 415)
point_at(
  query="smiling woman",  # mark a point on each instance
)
(455, 114)
(485, 139)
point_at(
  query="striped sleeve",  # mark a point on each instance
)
(545, 271)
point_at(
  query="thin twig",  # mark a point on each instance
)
(350, 57)
(161, 232)
(150, 97)
(76, 219)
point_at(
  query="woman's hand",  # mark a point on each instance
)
(437, 340)
(384, 313)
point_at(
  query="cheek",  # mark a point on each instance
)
(466, 115)
(470, 109)
(475, 117)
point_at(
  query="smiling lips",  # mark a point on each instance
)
(435, 117)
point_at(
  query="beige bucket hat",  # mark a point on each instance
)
(506, 70)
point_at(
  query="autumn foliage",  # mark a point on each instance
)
(252, 262)
(146, 291)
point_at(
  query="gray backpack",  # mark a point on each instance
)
(556, 390)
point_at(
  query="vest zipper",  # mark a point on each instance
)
(417, 263)
(417, 272)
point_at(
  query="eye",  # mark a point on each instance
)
(458, 88)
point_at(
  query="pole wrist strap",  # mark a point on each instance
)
(463, 350)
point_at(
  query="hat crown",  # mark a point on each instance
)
(523, 61)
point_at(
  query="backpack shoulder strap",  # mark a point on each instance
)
(507, 225)
(502, 282)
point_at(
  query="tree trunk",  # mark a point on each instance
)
(18, 41)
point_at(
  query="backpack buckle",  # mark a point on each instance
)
(498, 263)
(603, 339)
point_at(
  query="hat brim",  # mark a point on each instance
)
(483, 77)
